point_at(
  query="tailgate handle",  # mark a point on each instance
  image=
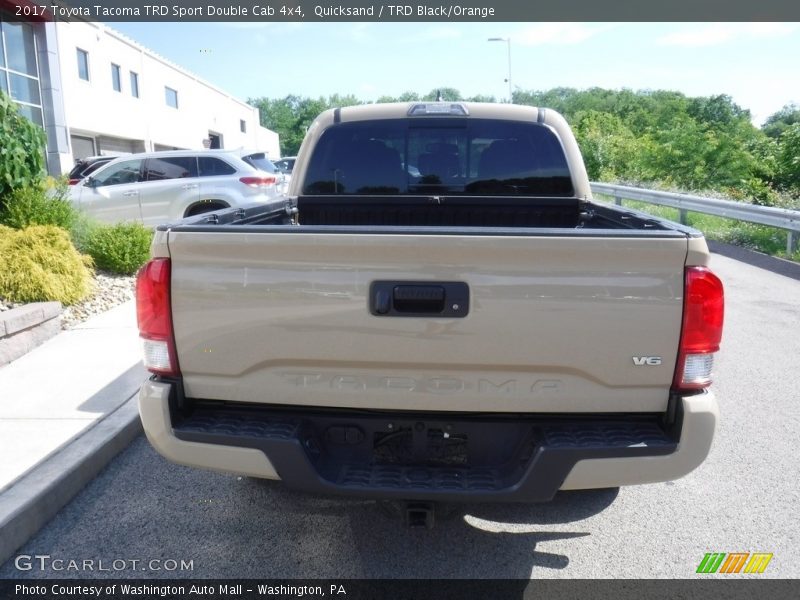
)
(419, 299)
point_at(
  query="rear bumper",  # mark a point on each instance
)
(699, 421)
(431, 457)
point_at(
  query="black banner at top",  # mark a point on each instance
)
(404, 10)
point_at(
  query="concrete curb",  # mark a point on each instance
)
(36, 497)
(24, 328)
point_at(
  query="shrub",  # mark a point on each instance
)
(35, 206)
(40, 264)
(755, 191)
(120, 248)
(23, 144)
(82, 228)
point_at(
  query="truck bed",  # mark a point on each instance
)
(444, 211)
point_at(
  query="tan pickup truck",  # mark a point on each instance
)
(438, 310)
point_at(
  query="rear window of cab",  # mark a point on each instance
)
(476, 157)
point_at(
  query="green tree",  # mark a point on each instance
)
(291, 116)
(788, 160)
(693, 154)
(557, 98)
(782, 120)
(404, 97)
(280, 115)
(482, 98)
(342, 101)
(449, 94)
(610, 150)
(719, 111)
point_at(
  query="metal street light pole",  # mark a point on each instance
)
(510, 87)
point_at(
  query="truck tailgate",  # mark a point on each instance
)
(555, 324)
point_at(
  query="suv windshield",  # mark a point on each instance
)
(285, 165)
(86, 166)
(476, 157)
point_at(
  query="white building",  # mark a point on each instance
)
(97, 92)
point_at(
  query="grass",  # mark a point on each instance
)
(730, 231)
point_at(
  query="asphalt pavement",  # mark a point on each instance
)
(175, 521)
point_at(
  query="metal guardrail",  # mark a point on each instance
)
(782, 218)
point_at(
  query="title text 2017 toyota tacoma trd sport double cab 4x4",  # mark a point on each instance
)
(437, 311)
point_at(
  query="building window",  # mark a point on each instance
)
(171, 97)
(116, 78)
(24, 89)
(20, 48)
(242, 125)
(83, 64)
(134, 84)
(19, 69)
(32, 113)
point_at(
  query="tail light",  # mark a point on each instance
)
(154, 316)
(259, 182)
(73, 181)
(703, 310)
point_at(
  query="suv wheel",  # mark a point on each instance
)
(204, 207)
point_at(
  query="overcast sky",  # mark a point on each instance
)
(755, 63)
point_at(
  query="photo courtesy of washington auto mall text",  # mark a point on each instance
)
(195, 590)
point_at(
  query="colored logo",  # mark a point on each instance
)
(734, 562)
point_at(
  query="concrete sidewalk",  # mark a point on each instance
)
(66, 408)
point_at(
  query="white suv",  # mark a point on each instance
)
(158, 187)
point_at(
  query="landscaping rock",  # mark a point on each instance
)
(109, 291)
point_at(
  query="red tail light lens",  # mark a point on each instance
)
(73, 181)
(701, 333)
(256, 182)
(154, 317)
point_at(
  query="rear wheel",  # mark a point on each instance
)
(204, 207)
